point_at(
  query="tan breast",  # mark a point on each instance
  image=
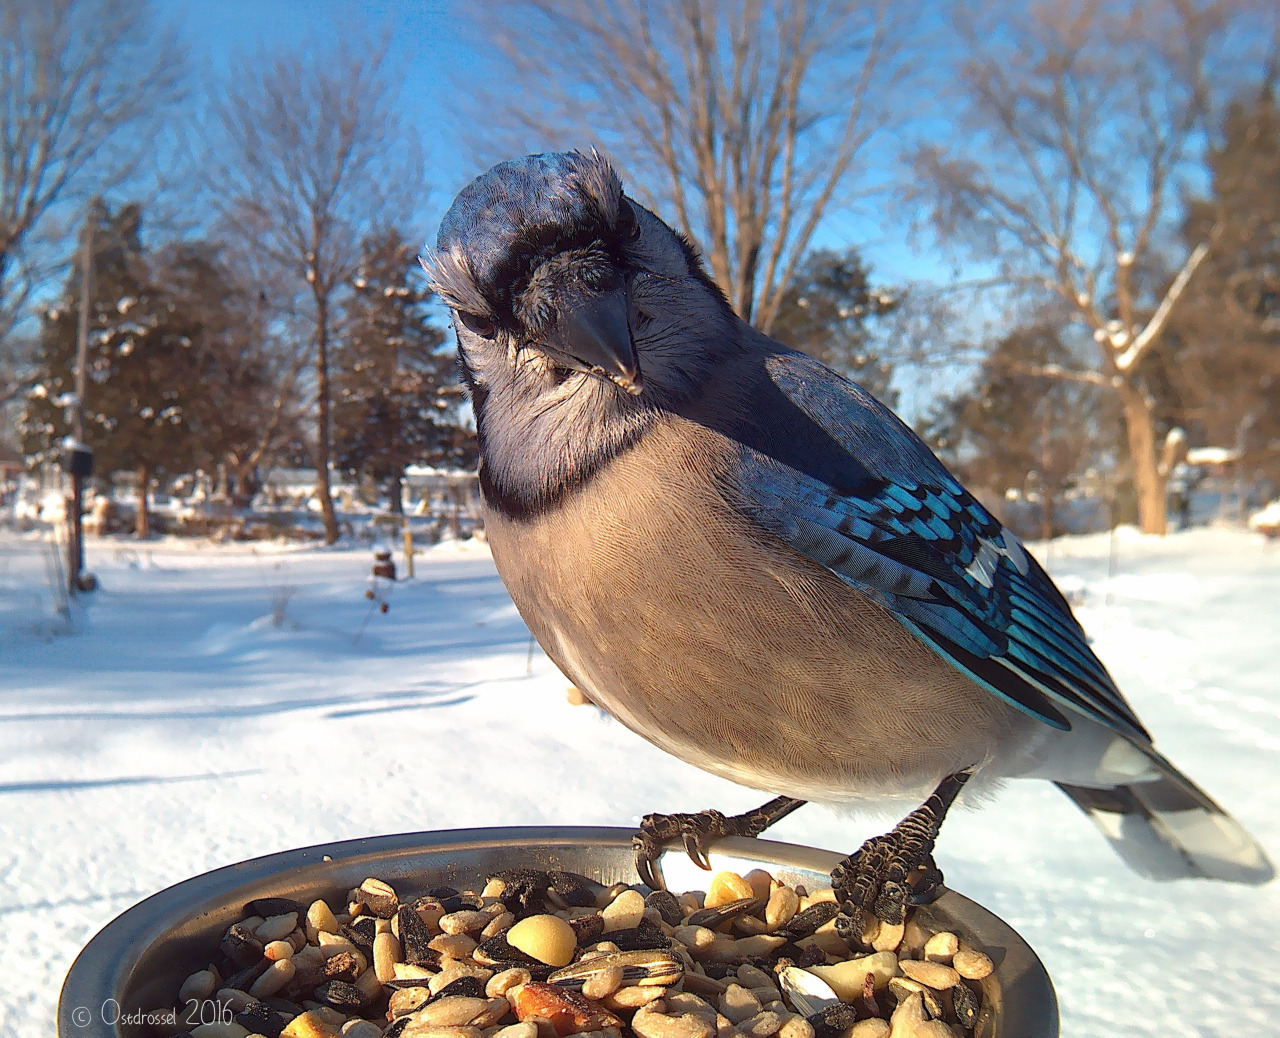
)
(724, 646)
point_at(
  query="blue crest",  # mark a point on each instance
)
(518, 209)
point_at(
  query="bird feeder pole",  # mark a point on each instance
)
(80, 458)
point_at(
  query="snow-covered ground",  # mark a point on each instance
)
(177, 728)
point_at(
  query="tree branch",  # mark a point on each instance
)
(1132, 355)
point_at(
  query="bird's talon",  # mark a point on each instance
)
(889, 872)
(694, 850)
(646, 850)
(697, 832)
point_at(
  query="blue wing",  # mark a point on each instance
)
(901, 529)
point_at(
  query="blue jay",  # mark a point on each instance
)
(754, 564)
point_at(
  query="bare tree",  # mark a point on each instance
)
(82, 85)
(317, 155)
(748, 119)
(1079, 123)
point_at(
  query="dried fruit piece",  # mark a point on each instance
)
(343, 966)
(567, 1011)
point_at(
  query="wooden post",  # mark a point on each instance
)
(408, 546)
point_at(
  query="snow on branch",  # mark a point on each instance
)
(1130, 357)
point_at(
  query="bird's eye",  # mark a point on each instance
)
(628, 222)
(482, 326)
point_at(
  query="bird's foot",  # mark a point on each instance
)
(888, 873)
(698, 831)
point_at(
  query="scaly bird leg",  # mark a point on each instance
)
(890, 871)
(699, 831)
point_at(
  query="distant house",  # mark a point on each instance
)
(294, 487)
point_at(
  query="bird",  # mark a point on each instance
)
(754, 564)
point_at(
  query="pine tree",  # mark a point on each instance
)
(144, 365)
(825, 312)
(1224, 360)
(397, 396)
(221, 316)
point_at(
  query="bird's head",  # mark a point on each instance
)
(555, 277)
(579, 315)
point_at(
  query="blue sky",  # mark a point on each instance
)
(438, 48)
(433, 46)
(428, 50)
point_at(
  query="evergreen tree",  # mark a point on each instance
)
(150, 402)
(397, 395)
(1017, 431)
(222, 317)
(1224, 358)
(825, 312)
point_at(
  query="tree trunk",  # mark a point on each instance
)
(1048, 513)
(143, 525)
(1047, 502)
(322, 422)
(1148, 483)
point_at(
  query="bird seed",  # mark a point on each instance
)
(552, 954)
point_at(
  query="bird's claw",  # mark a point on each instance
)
(697, 854)
(888, 873)
(880, 880)
(698, 832)
(646, 850)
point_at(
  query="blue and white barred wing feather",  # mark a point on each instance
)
(917, 543)
(902, 530)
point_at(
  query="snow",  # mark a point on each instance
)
(171, 727)
(1211, 455)
(1266, 520)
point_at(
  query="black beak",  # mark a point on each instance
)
(592, 334)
